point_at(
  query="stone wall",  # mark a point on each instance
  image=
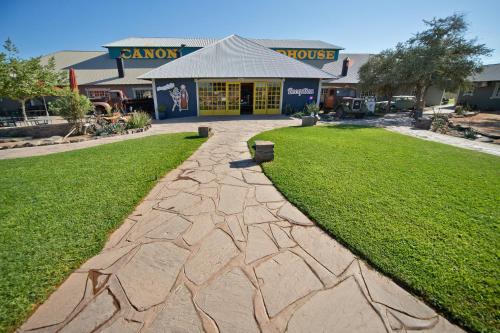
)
(39, 131)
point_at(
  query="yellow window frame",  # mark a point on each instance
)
(261, 102)
(232, 92)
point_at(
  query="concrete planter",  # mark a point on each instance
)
(308, 121)
(205, 131)
(264, 151)
(423, 123)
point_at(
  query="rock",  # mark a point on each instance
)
(384, 291)
(60, 304)
(178, 315)
(179, 202)
(281, 237)
(202, 225)
(285, 278)
(341, 309)
(257, 214)
(214, 253)
(202, 177)
(231, 199)
(257, 178)
(293, 215)
(122, 325)
(397, 319)
(423, 123)
(171, 229)
(259, 245)
(148, 277)
(323, 248)
(106, 258)
(235, 227)
(264, 151)
(267, 193)
(96, 313)
(182, 184)
(229, 301)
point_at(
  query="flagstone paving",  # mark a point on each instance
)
(215, 247)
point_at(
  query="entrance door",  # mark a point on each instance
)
(233, 98)
(246, 104)
(267, 96)
(260, 98)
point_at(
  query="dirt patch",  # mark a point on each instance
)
(485, 123)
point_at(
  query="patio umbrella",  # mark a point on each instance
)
(72, 80)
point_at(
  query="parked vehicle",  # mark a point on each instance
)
(117, 101)
(344, 103)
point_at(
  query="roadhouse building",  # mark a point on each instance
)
(199, 76)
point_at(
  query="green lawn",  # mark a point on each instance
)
(56, 211)
(425, 213)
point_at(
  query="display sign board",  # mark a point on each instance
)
(309, 54)
(170, 53)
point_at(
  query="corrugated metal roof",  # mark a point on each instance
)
(96, 68)
(202, 42)
(335, 68)
(235, 57)
(489, 73)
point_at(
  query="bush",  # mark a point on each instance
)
(138, 120)
(439, 123)
(470, 134)
(311, 108)
(459, 110)
(72, 106)
(109, 129)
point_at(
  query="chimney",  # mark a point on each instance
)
(119, 66)
(345, 66)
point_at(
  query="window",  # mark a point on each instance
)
(324, 94)
(140, 93)
(496, 91)
(95, 93)
(367, 93)
(273, 95)
(213, 97)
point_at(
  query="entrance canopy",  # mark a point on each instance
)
(236, 57)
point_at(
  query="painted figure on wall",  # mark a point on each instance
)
(180, 97)
(176, 98)
(184, 98)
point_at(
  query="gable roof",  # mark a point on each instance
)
(97, 68)
(236, 57)
(202, 42)
(335, 68)
(489, 73)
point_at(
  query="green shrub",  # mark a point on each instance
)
(459, 110)
(439, 124)
(470, 134)
(72, 106)
(311, 108)
(138, 120)
(109, 129)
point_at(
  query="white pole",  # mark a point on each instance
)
(319, 93)
(197, 99)
(155, 100)
(281, 98)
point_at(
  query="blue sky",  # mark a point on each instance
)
(41, 27)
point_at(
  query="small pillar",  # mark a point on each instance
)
(308, 121)
(205, 131)
(264, 151)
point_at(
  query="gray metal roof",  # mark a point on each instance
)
(236, 57)
(97, 68)
(335, 68)
(489, 73)
(202, 42)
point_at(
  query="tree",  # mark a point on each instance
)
(72, 106)
(440, 56)
(24, 79)
(381, 75)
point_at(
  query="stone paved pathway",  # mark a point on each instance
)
(216, 248)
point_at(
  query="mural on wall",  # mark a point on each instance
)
(180, 96)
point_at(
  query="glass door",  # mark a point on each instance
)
(260, 98)
(233, 98)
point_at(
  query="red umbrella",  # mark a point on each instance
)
(72, 80)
